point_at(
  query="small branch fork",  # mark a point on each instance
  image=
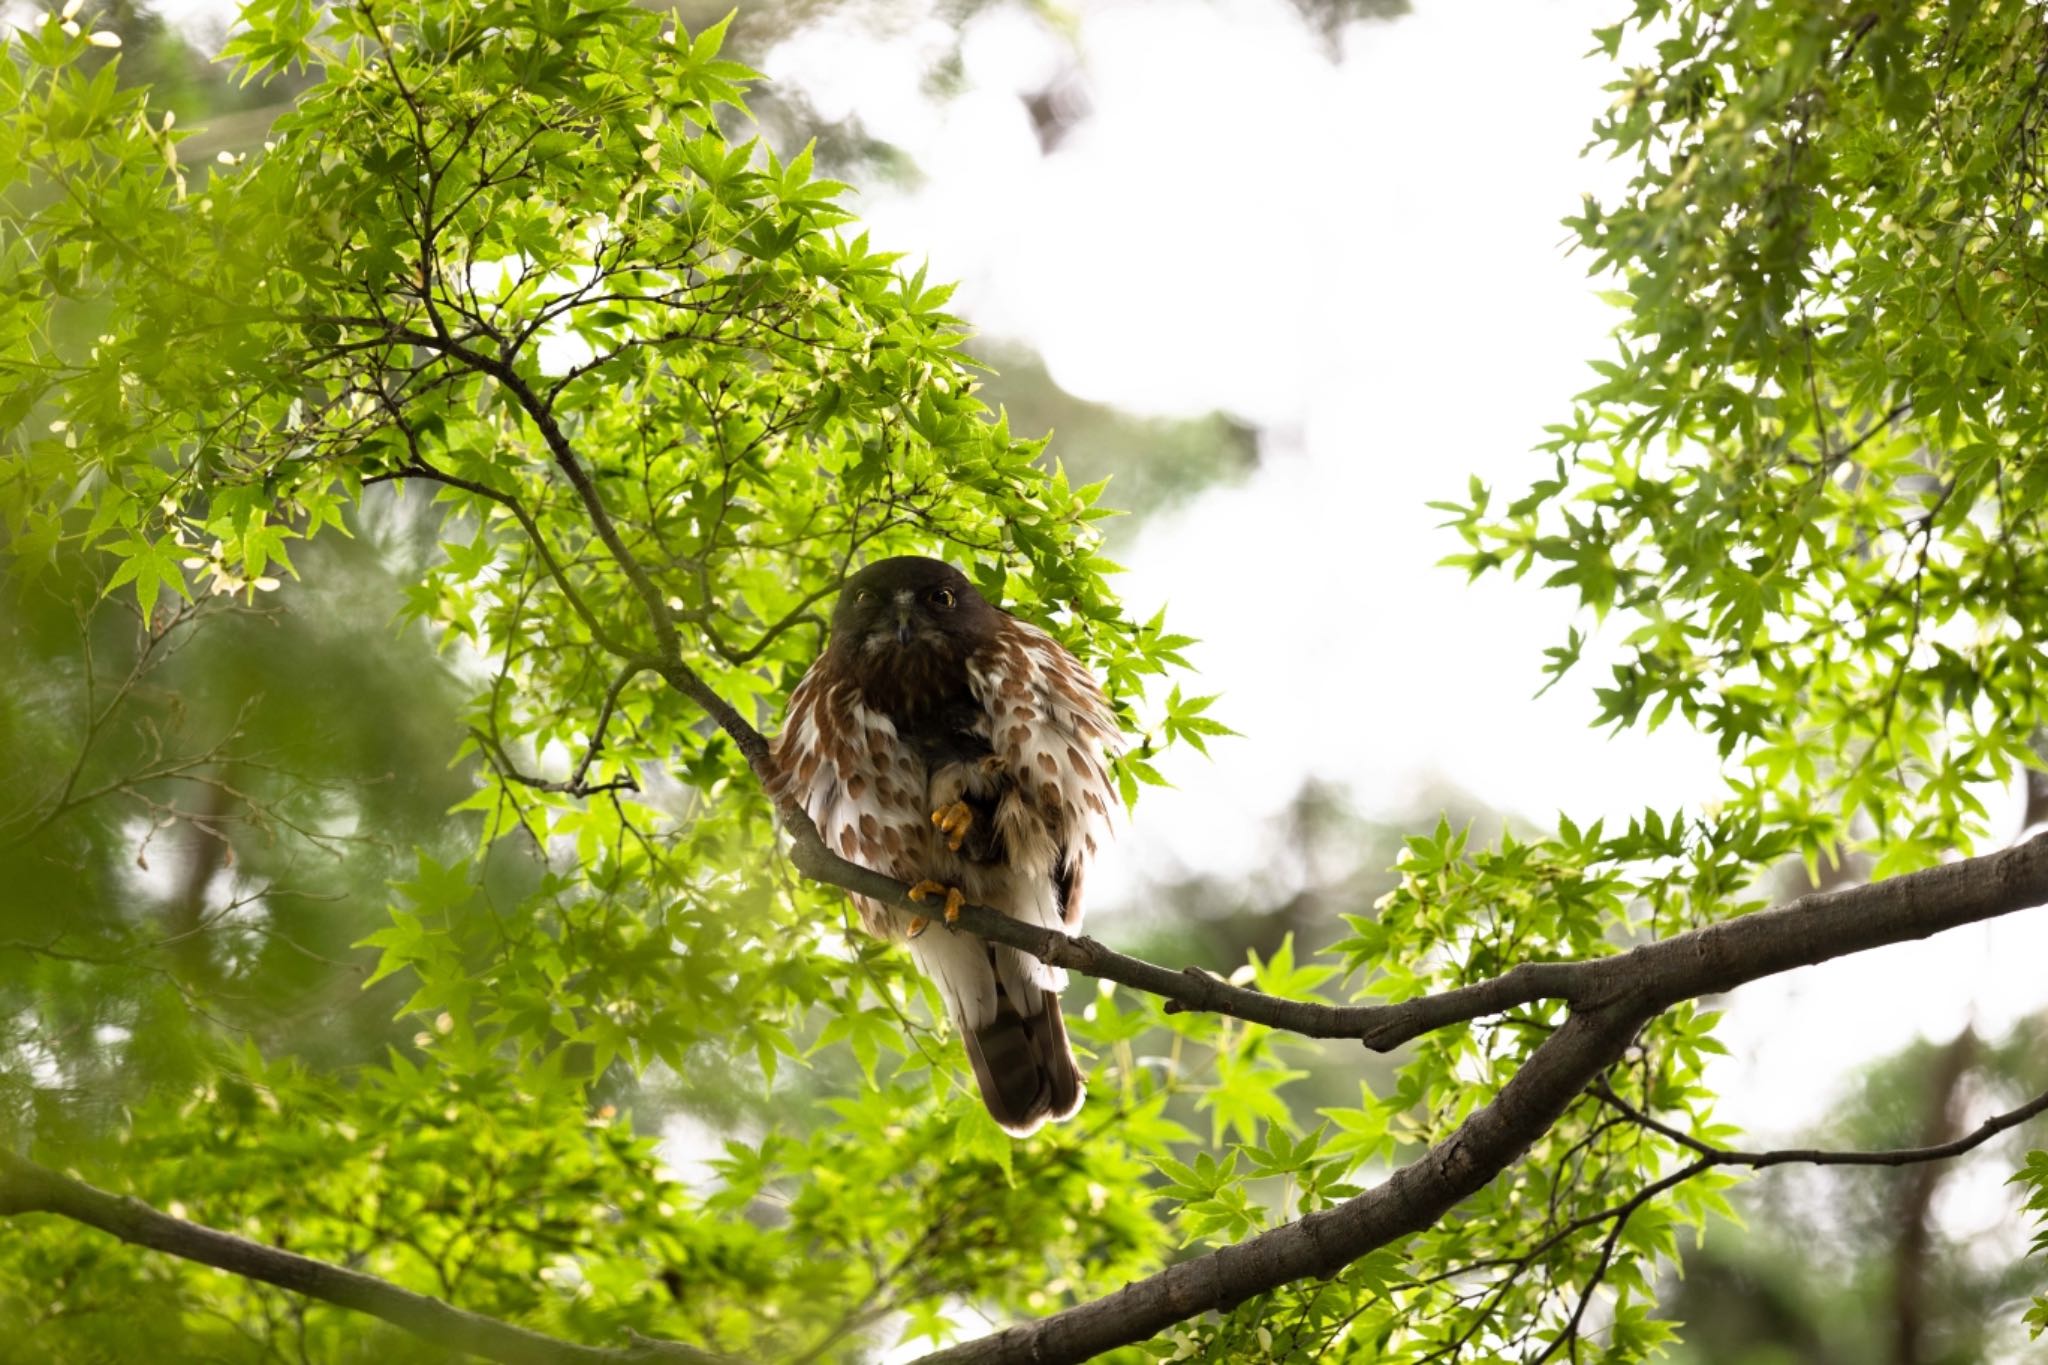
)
(1513, 1267)
(1711, 1156)
(578, 782)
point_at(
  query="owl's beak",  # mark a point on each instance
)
(902, 623)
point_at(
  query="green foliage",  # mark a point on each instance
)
(1807, 481)
(606, 391)
(514, 1199)
(2033, 1177)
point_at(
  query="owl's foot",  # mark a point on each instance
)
(954, 819)
(955, 898)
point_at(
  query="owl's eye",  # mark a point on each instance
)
(943, 598)
(863, 597)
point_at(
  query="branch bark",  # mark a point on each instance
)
(1629, 991)
(1809, 930)
(26, 1188)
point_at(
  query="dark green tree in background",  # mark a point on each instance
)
(1840, 1266)
(491, 435)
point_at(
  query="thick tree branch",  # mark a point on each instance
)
(27, 1188)
(1809, 930)
(1322, 1243)
(1632, 989)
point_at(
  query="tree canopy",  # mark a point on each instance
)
(512, 331)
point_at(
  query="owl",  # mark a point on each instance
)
(944, 742)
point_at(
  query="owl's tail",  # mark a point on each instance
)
(1026, 1069)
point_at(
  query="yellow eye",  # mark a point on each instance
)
(943, 597)
(863, 596)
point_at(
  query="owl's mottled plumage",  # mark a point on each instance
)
(927, 696)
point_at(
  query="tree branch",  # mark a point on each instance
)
(28, 1188)
(501, 763)
(1811, 929)
(1322, 1243)
(1633, 989)
(1820, 1156)
(542, 416)
(1714, 1156)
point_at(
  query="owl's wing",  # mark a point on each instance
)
(1048, 725)
(846, 767)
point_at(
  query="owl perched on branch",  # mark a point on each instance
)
(947, 744)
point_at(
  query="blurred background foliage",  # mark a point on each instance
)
(1842, 1266)
(202, 825)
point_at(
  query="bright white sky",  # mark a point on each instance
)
(1364, 258)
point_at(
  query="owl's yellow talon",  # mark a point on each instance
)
(955, 897)
(918, 924)
(954, 820)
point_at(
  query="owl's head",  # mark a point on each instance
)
(911, 605)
